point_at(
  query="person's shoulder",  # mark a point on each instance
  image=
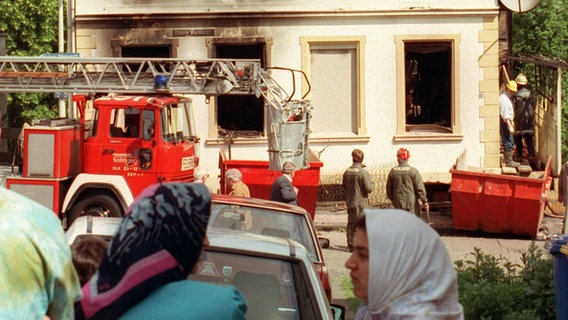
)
(200, 286)
(228, 301)
(200, 299)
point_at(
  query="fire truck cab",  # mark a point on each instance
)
(129, 143)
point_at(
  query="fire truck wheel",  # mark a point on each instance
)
(98, 205)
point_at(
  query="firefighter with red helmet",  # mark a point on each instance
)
(405, 186)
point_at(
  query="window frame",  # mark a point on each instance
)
(426, 132)
(211, 43)
(358, 41)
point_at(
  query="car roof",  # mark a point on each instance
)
(90, 225)
(256, 202)
(260, 244)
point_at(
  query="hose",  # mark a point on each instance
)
(553, 213)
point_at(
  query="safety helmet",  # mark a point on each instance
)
(522, 80)
(512, 85)
(403, 153)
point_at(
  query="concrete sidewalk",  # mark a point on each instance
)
(334, 217)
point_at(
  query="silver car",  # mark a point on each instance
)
(274, 219)
(275, 275)
(85, 226)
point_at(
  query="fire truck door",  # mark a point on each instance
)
(132, 147)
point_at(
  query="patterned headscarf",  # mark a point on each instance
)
(158, 242)
(411, 275)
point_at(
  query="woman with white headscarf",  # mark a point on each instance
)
(402, 269)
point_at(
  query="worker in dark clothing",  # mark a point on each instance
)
(282, 189)
(357, 185)
(524, 105)
(405, 186)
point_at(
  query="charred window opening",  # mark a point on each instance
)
(243, 115)
(428, 83)
(160, 51)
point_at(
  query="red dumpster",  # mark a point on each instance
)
(259, 178)
(499, 203)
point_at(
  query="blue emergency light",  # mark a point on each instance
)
(160, 82)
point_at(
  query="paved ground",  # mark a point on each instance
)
(331, 222)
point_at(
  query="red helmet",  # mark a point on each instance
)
(403, 153)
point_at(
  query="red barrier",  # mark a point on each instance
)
(259, 178)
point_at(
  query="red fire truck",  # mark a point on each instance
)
(134, 126)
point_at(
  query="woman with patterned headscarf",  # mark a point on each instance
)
(157, 245)
(402, 269)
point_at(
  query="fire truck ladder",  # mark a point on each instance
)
(210, 77)
(128, 75)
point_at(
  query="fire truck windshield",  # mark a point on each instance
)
(176, 123)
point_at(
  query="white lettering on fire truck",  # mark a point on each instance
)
(127, 160)
(187, 163)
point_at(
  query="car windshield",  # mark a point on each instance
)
(274, 289)
(105, 237)
(176, 123)
(265, 221)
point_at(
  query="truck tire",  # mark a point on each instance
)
(98, 205)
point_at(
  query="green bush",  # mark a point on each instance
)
(347, 287)
(495, 288)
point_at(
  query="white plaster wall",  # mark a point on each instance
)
(107, 7)
(433, 159)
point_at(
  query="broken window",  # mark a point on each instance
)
(428, 83)
(241, 115)
(146, 51)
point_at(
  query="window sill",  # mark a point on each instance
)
(339, 139)
(240, 140)
(427, 132)
(427, 136)
(312, 139)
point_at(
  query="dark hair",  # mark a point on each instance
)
(361, 223)
(357, 155)
(88, 252)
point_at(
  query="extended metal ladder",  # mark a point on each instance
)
(289, 119)
(128, 75)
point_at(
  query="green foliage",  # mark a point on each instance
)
(543, 31)
(30, 26)
(494, 288)
(25, 107)
(31, 29)
(347, 288)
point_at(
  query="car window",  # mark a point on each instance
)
(264, 221)
(274, 289)
(105, 237)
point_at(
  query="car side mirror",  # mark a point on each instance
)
(338, 311)
(324, 242)
(145, 159)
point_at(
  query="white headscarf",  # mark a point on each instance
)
(411, 275)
